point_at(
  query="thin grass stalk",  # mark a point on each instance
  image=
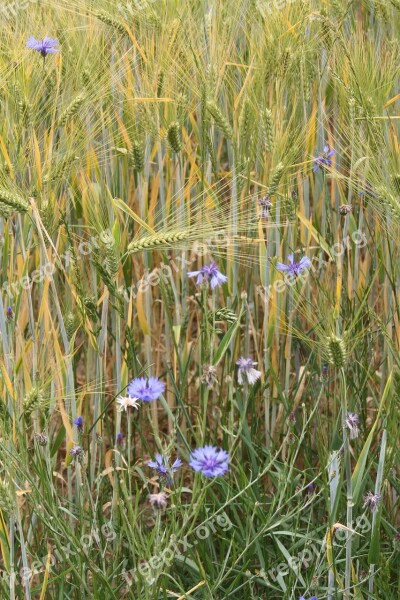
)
(347, 459)
(375, 532)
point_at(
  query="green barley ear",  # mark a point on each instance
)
(61, 168)
(33, 401)
(13, 201)
(174, 137)
(112, 259)
(137, 156)
(90, 307)
(286, 60)
(389, 201)
(267, 125)
(47, 214)
(245, 123)
(154, 241)
(71, 325)
(5, 210)
(71, 110)
(220, 119)
(223, 314)
(7, 503)
(336, 351)
(108, 20)
(160, 84)
(275, 179)
(181, 107)
(24, 111)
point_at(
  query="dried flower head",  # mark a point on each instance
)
(265, 205)
(77, 453)
(209, 376)
(371, 501)
(159, 501)
(41, 438)
(345, 209)
(125, 402)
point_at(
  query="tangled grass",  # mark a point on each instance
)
(163, 136)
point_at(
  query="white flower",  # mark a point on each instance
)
(246, 368)
(126, 402)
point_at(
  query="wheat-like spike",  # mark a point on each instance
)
(389, 201)
(174, 137)
(71, 110)
(13, 201)
(275, 179)
(220, 119)
(137, 155)
(268, 126)
(33, 400)
(336, 351)
(153, 241)
(108, 20)
(4, 210)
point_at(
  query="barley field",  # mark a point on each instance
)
(200, 299)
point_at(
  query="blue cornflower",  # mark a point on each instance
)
(210, 274)
(294, 268)
(324, 159)
(312, 598)
(45, 46)
(164, 470)
(10, 313)
(146, 389)
(79, 423)
(352, 424)
(210, 461)
(246, 369)
(120, 439)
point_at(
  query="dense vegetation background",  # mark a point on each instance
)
(160, 136)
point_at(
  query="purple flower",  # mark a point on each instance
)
(371, 501)
(45, 46)
(10, 313)
(210, 461)
(312, 598)
(120, 439)
(246, 368)
(146, 389)
(164, 470)
(294, 268)
(79, 423)
(210, 274)
(352, 423)
(324, 159)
